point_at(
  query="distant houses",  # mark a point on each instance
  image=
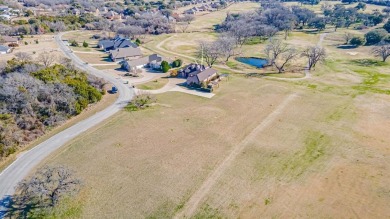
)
(8, 43)
(193, 10)
(112, 15)
(116, 43)
(127, 53)
(4, 8)
(8, 40)
(152, 61)
(205, 7)
(6, 13)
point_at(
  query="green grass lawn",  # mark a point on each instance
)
(153, 85)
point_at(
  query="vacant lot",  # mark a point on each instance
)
(247, 151)
(317, 8)
(45, 43)
(206, 20)
(314, 158)
(96, 58)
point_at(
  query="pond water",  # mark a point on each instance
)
(256, 62)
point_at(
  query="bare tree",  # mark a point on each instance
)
(242, 31)
(48, 185)
(279, 53)
(3, 65)
(67, 62)
(185, 21)
(209, 52)
(183, 26)
(46, 58)
(227, 46)
(131, 31)
(314, 54)
(347, 37)
(43, 190)
(382, 50)
(22, 56)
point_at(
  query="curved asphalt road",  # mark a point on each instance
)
(22, 166)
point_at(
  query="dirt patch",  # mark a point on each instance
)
(352, 53)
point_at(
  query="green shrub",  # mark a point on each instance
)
(165, 66)
(138, 42)
(387, 26)
(77, 80)
(375, 36)
(177, 63)
(74, 43)
(357, 41)
(141, 101)
(85, 44)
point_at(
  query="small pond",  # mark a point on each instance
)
(256, 62)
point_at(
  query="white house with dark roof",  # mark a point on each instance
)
(152, 61)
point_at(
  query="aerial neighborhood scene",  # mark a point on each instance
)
(194, 109)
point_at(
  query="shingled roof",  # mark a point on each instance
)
(125, 52)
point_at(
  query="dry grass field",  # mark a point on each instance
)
(45, 43)
(154, 85)
(317, 8)
(326, 153)
(261, 147)
(96, 58)
(205, 21)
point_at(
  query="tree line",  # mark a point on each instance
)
(37, 95)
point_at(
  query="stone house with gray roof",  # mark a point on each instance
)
(199, 77)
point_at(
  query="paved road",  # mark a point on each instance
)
(19, 169)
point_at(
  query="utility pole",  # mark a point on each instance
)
(201, 61)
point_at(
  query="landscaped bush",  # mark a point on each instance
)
(138, 41)
(177, 63)
(73, 43)
(174, 73)
(13, 45)
(165, 66)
